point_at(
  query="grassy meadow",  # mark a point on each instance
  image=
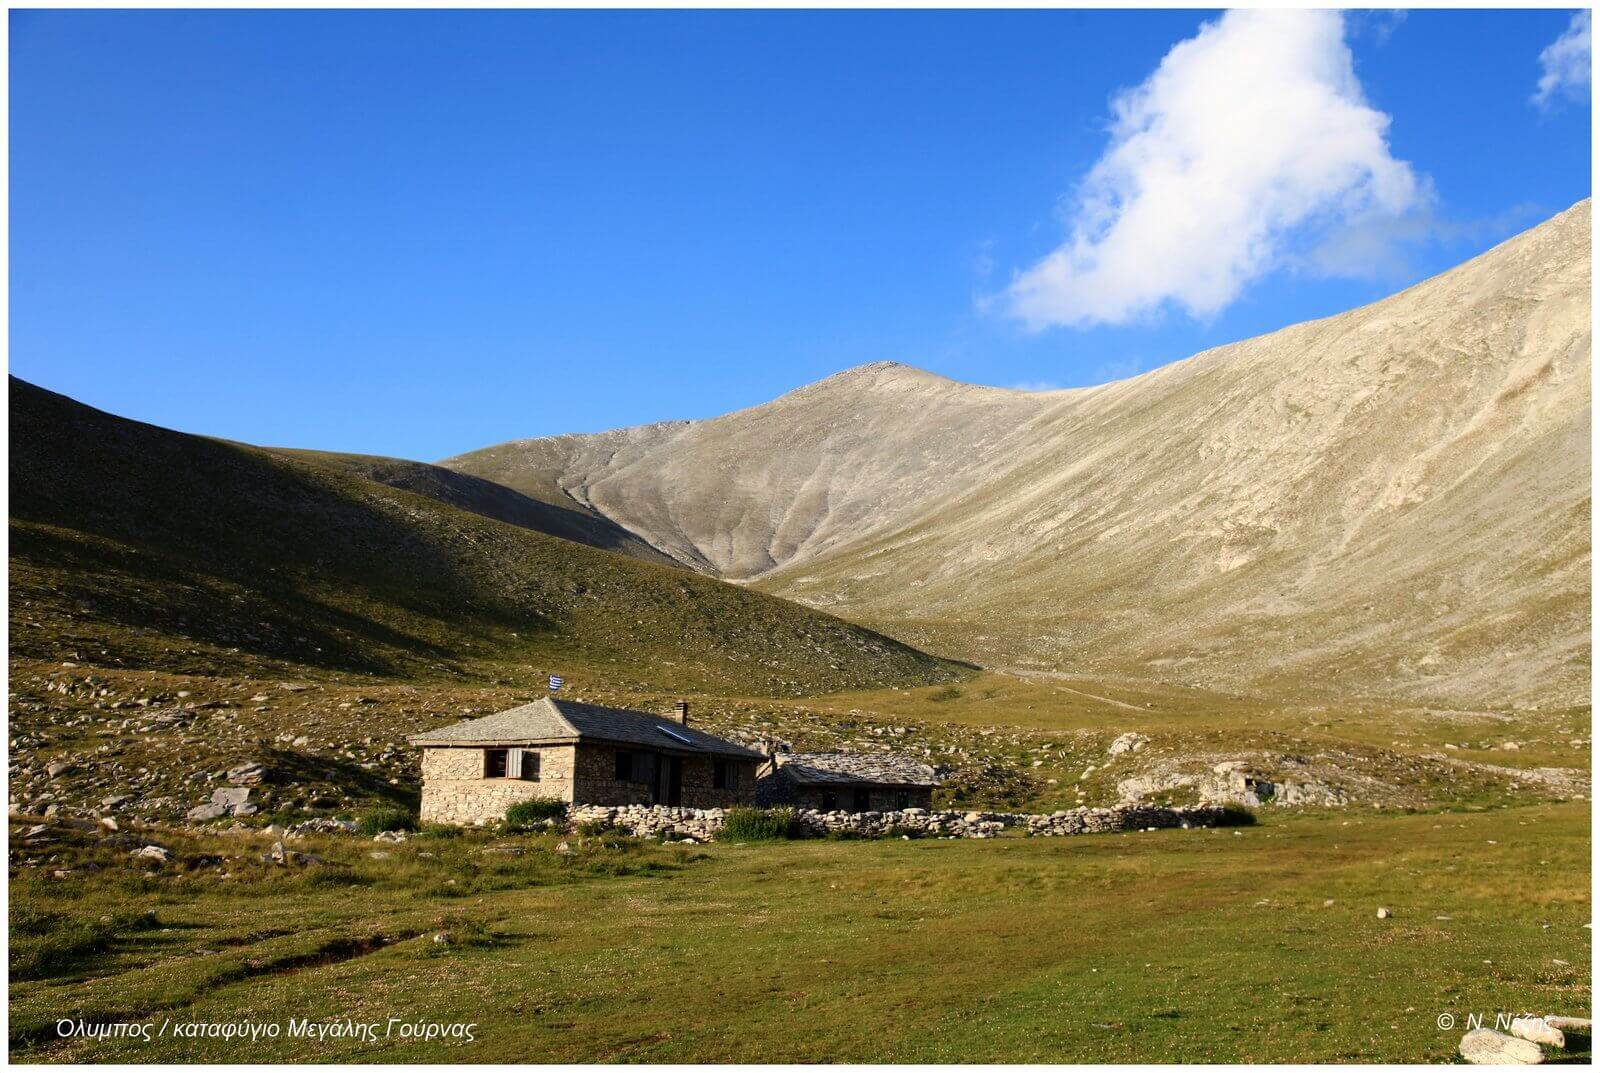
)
(1254, 944)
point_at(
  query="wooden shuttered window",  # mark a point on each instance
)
(522, 764)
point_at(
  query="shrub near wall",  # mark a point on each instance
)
(534, 813)
(387, 818)
(757, 825)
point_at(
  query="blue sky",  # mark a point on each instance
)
(416, 233)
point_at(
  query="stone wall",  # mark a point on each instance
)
(454, 790)
(597, 782)
(778, 787)
(703, 824)
(843, 798)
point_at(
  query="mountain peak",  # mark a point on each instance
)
(1201, 516)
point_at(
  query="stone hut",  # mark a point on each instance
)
(583, 754)
(847, 782)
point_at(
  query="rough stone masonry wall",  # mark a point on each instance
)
(597, 782)
(651, 821)
(454, 790)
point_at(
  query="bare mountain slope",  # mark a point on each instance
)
(1391, 502)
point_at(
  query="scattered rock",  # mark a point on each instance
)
(1127, 743)
(1383, 913)
(249, 774)
(234, 799)
(1572, 1026)
(1486, 1047)
(1537, 1030)
(153, 852)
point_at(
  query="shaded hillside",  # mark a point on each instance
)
(489, 499)
(1392, 502)
(137, 545)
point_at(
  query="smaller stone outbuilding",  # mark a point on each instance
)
(582, 754)
(846, 782)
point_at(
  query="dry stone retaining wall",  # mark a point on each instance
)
(652, 821)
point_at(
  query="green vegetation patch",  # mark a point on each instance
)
(387, 818)
(758, 825)
(534, 813)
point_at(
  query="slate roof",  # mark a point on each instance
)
(551, 720)
(876, 769)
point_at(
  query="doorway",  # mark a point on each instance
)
(670, 792)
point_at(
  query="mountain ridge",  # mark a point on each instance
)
(1233, 491)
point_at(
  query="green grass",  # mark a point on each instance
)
(1256, 944)
(46, 943)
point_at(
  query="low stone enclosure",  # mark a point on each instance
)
(702, 825)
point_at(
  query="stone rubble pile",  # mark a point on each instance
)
(702, 825)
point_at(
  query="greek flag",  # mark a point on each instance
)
(556, 683)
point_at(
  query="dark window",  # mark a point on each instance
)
(530, 765)
(830, 801)
(494, 763)
(724, 776)
(624, 766)
(902, 800)
(863, 800)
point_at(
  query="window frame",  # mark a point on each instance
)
(489, 756)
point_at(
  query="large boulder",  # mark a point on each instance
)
(1486, 1047)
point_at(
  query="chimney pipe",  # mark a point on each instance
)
(680, 711)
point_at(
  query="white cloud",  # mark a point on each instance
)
(1035, 385)
(1248, 135)
(1564, 64)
